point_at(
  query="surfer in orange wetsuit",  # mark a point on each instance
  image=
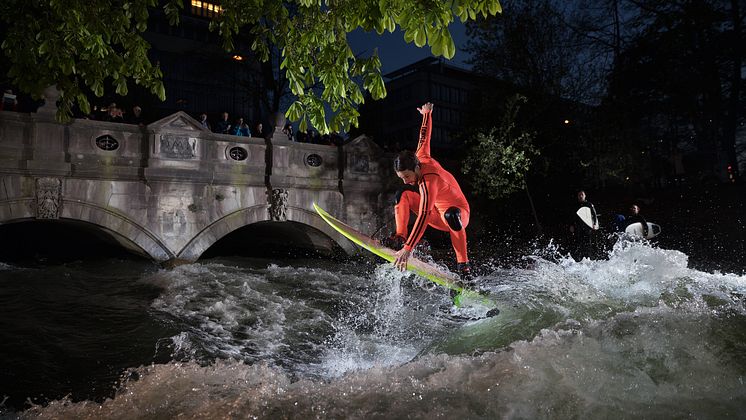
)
(439, 202)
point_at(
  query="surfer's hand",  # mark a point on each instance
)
(428, 107)
(401, 259)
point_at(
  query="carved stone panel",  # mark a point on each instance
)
(178, 146)
(278, 202)
(361, 163)
(48, 198)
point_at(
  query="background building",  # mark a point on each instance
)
(198, 74)
(394, 122)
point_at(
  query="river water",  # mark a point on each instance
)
(640, 335)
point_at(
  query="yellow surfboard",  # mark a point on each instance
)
(429, 271)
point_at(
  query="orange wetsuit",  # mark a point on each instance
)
(438, 192)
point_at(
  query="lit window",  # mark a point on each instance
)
(204, 8)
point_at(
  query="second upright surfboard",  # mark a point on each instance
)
(635, 229)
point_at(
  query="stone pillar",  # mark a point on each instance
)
(278, 120)
(48, 138)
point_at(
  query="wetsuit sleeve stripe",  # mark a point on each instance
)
(423, 147)
(421, 223)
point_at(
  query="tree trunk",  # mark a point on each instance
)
(533, 209)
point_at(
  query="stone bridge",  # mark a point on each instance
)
(171, 189)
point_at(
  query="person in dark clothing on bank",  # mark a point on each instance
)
(636, 217)
(581, 233)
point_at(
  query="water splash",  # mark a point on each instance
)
(637, 335)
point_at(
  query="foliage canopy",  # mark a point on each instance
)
(81, 45)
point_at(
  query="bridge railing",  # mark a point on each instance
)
(176, 147)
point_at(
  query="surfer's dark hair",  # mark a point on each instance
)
(406, 160)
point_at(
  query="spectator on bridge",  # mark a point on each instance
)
(301, 137)
(336, 139)
(114, 114)
(312, 136)
(136, 116)
(288, 130)
(223, 126)
(259, 132)
(101, 113)
(241, 128)
(203, 121)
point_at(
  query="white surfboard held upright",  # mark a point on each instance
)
(587, 217)
(635, 229)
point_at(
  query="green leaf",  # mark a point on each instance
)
(295, 111)
(98, 88)
(121, 86)
(160, 91)
(409, 36)
(83, 103)
(391, 24)
(380, 26)
(449, 48)
(437, 47)
(495, 7)
(420, 38)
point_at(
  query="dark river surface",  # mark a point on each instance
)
(638, 335)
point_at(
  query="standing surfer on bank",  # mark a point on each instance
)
(636, 217)
(582, 229)
(439, 202)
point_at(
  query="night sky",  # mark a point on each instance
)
(396, 53)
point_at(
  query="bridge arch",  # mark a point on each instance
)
(126, 232)
(251, 215)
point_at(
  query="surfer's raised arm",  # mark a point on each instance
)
(423, 146)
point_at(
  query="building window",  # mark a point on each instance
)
(205, 8)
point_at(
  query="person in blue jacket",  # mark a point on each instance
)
(241, 128)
